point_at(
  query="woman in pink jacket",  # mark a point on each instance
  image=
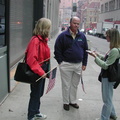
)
(37, 54)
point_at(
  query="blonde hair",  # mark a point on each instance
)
(114, 37)
(42, 27)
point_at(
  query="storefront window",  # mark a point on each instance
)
(2, 23)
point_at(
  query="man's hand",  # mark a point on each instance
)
(83, 68)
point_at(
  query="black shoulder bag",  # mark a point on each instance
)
(114, 72)
(24, 74)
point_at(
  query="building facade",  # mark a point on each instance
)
(110, 10)
(89, 13)
(66, 10)
(87, 10)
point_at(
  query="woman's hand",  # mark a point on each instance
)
(93, 53)
(44, 76)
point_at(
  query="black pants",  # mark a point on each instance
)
(37, 91)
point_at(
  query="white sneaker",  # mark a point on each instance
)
(40, 116)
(97, 119)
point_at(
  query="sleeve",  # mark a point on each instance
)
(113, 55)
(32, 57)
(58, 50)
(85, 57)
(101, 56)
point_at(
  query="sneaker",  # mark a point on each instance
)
(113, 117)
(97, 119)
(40, 116)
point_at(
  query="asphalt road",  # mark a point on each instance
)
(98, 44)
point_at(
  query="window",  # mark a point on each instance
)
(90, 12)
(90, 19)
(2, 1)
(2, 23)
(106, 7)
(117, 4)
(112, 5)
(102, 8)
(95, 19)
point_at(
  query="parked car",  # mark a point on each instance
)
(90, 32)
(62, 28)
(102, 27)
(94, 32)
(83, 31)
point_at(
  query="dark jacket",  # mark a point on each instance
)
(71, 50)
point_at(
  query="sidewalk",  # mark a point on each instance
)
(15, 106)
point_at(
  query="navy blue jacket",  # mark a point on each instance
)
(71, 50)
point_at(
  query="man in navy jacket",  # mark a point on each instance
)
(70, 53)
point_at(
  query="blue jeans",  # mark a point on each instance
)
(107, 96)
(37, 91)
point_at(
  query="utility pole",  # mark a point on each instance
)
(72, 9)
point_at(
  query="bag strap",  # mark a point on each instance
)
(38, 37)
(46, 60)
(117, 82)
(24, 59)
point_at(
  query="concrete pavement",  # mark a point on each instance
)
(15, 106)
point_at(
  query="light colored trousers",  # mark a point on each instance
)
(107, 96)
(70, 77)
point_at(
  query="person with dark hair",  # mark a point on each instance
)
(70, 53)
(108, 110)
(37, 53)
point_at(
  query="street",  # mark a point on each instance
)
(99, 44)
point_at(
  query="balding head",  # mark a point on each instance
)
(74, 18)
(74, 24)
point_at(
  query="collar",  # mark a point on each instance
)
(67, 32)
(73, 34)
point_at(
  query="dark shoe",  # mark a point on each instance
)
(66, 107)
(113, 117)
(74, 105)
